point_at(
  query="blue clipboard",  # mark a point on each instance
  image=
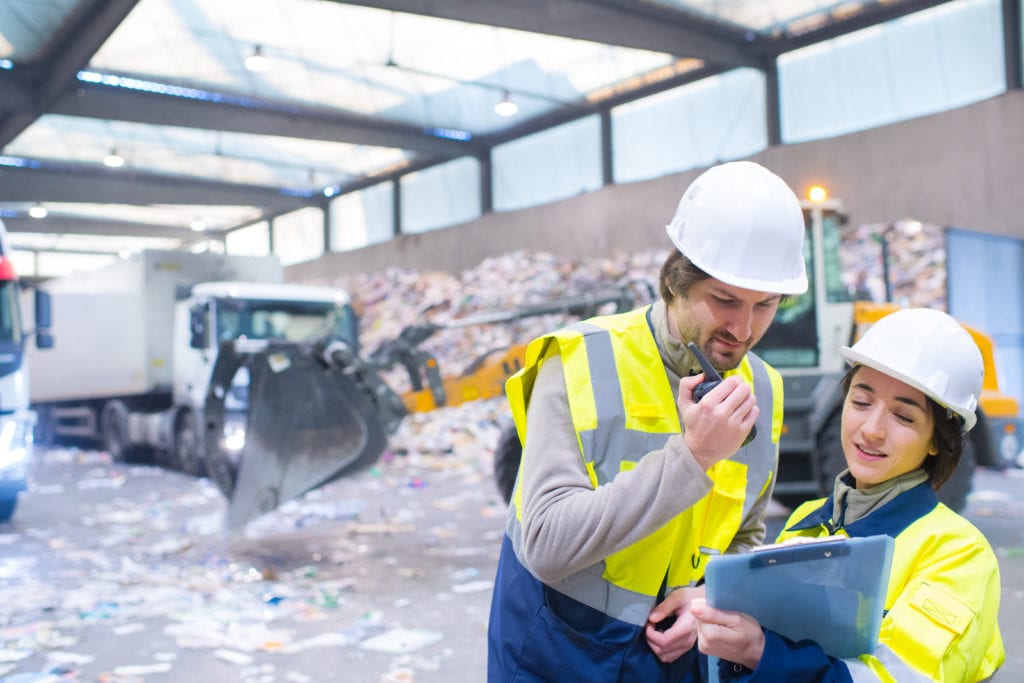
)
(829, 591)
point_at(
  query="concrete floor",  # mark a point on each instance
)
(123, 574)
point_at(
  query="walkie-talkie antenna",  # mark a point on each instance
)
(711, 377)
(709, 370)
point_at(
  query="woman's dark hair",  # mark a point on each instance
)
(947, 437)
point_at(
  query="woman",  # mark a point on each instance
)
(910, 397)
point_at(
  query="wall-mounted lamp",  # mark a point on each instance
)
(38, 211)
(506, 107)
(257, 61)
(113, 159)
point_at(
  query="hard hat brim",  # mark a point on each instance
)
(855, 358)
(790, 286)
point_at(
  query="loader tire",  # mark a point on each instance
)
(507, 456)
(187, 453)
(956, 489)
(829, 445)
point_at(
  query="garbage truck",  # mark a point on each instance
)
(210, 363)
(16, 419)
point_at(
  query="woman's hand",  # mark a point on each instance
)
(732, 636)
(670, 641)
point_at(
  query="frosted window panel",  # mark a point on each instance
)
(253, 240)
(931, 61)
(299, 236)
(362, 218)
(556, 163)
(440, 196)
(716, 119)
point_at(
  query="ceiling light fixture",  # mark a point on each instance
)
(506, 107)
(198, 224)
(113, 159)
(38, 211)
(257, 61)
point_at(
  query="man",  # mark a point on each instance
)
(627, 485)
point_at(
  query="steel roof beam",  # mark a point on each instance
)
(626, 24)
(871, 15)
(71, 49)
(62, 224)
(91, 185)
(256, 117)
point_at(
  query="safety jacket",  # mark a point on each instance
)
(622, 407)
(941, 608)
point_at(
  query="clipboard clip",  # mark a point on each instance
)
(696, 558)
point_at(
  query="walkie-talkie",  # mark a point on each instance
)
(711, 380)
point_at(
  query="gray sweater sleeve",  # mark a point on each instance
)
(569, 525)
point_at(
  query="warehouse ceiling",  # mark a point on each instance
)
(348, 94)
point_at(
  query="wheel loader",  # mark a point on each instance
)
(803, 344)
(211, 364)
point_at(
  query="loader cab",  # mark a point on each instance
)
(803, 344)
(808, 329)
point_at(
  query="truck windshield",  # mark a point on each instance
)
(287, 320)
(10, 322)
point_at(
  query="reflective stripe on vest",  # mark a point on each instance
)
(622, 407)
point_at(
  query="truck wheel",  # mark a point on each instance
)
(186, 444)
(114, 430)
(7, 505)
(829, 445)
(507, 455)
(43, 433)
(954, 492)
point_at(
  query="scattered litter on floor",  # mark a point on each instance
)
(401, 640)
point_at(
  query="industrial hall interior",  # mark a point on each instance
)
(267, 266)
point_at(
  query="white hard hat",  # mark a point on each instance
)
(741, 224)
(928, 350)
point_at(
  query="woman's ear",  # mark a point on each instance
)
(933, 449)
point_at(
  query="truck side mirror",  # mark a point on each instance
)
(197, 326)
(44, 319)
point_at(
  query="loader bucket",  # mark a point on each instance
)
(311, 419)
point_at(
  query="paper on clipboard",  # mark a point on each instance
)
(831, 591)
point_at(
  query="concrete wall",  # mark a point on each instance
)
(961, 168)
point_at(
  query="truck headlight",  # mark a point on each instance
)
(15, 441)
(234, 435)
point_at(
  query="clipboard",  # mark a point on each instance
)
(831, 591)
